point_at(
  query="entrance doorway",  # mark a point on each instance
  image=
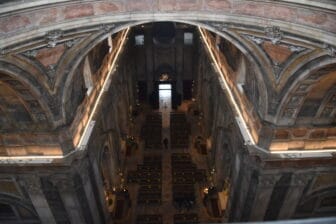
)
(165, 98)
(165, 94)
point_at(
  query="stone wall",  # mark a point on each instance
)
(154, 58)
(73, 191)
(260, 188)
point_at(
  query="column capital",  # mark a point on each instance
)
(31, 182)
(82, 168)
(62, 182)
(268, 180)
(301, 179)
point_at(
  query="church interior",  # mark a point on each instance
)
(184, 112)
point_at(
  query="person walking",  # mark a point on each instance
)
(165, 143)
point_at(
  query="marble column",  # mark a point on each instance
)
(66, 188)
(292, 198)
(32, 184)
(264, 191)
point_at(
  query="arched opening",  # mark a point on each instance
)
(15, 210)
(172, 66)
(181, 71)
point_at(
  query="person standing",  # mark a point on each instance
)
(165, 143)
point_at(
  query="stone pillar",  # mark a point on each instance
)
(298, 184)
(179, 61)
(84, 174)
(67, 192)
(97, 177)
(150, 61)
(263, 194)
(33, 187)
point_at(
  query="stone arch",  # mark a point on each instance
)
(20, 208)
(34, 68)
(76, 56)
(29, 91)
(301, 21)
(327, 107)
(73, 58)
(318, 203)
(302, 81)
(240, 43)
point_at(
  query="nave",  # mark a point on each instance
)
(167, 185)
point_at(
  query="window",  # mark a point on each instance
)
(139, 40)
(188, 38)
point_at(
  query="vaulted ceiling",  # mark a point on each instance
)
(291, 44)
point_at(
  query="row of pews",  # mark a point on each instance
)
(186, 218)
(151, 131)
(185, 174)
(179, 130)
(149, 219)
(149, 176)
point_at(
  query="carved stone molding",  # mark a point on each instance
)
(3, 52)
(274, 34)
(289, 112)
(219, 26)
(30, 53)
(51, 70)
(277, 68)
(261, 40)
(257, 40)
(273, 106)
(303, 88)
(53, 36)
(32, 183)
(331, 51)
(301, 179)
(296, 49)
(71, 43)
(296, 100)
(62, 182)
(107, 27)
(268, 180)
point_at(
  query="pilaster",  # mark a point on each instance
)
(32, 184)
(264, 191)
(84, 174)
(66, 188)
(298, 184)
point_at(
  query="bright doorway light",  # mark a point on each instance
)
(165, 94)
(164, 86)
